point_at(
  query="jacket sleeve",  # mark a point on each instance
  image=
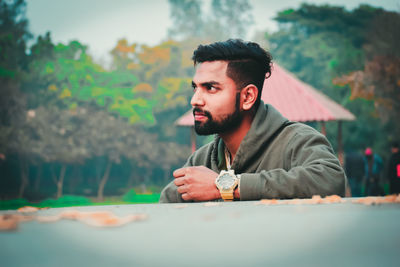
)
(312, 169)
(170, 194)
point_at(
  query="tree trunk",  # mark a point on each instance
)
(74, 180)
(60, 181)
(53, 174)
(39, 173)
(24, 177)
(323, 128)
(103, 181)
(146, 179)
(130, 180)
(98, 169)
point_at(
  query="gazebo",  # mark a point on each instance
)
(297, 101)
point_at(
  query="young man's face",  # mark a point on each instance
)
(216, 101)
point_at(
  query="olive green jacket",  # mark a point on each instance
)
(276, 159)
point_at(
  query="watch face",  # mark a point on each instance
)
(226, 181)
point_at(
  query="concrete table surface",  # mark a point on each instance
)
(230, 234)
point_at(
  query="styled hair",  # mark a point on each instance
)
(248, 63)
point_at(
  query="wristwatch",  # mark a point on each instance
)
(226, 183)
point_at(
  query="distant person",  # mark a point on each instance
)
(257, 153)
(373, 166)
(354, 167)
(393, 172)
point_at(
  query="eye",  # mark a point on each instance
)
(194, 86)
(211, 88)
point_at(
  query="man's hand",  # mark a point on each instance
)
(196, 183)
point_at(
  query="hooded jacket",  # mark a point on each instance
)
(276, 159)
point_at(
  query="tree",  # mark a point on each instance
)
(319, 43)
(13, 37)
(163, 79)
(106, 138)
(56, 137)
(379, 80)
(13, 64)
(225, 19)
(59, 108)
(327, 38)
(187, 18)
(19, 142)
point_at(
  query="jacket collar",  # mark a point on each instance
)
(266, 122)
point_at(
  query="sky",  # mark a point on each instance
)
(101, 23)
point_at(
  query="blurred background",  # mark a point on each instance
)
(91, 90)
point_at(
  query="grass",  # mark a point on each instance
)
(74, 201)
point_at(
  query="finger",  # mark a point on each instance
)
(179, 172)
(182, 189)
(186, 196)
(179, 181)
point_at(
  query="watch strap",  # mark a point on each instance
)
(227, 196)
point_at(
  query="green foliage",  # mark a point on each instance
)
(129, 196)
(62, 110)
(13, 37)
(132, 197)
(66, 201)
(13, 204)
(319, 43)
(225, 19)
(326, 38)
(71, 77)
(73, 201)
(379, 81)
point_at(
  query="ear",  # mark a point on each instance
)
(249, 96)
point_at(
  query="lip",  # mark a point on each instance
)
(198, 116)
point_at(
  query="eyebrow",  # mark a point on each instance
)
(210, 83)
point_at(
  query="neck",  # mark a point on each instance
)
(233, 139)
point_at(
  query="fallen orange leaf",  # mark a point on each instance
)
(27, 209)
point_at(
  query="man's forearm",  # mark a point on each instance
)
(299, 183)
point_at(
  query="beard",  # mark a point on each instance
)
(227, 123)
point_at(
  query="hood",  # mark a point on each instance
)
(266, 123)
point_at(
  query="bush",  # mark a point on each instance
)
(129, 196)
(66, 201)
(13, 204)
(132, 197)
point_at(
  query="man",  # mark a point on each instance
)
(354, 167)
(257, 153)
(373, 166)
(393, 171)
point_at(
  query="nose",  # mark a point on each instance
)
(197, 99)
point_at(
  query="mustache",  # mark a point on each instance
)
(202, 111)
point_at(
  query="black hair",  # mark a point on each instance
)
(248, 63)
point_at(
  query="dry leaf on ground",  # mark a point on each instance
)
(100, 218)
(112, 221)
(28, 209)
(9, 222)
(316, 199)
(378, 200)
(181, 206)
(211, 204)
(48, 218)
